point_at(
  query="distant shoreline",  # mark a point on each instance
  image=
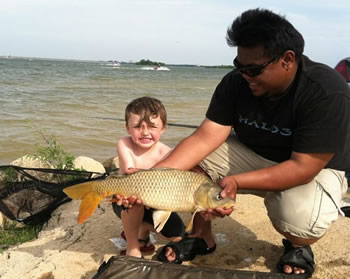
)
(106, 61)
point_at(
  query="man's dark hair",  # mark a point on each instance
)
(260, 27)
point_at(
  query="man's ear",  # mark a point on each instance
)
(288, 59)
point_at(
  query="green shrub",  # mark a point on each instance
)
(54, 154)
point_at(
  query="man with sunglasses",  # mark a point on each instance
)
(277, 125)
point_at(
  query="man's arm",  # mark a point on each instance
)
(300, 169)
(190, 151)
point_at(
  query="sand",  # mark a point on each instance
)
(246, 240)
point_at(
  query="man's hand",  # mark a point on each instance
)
(230, 186)
(230, 189)
(211, 214)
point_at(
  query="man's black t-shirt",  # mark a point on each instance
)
(311, 116)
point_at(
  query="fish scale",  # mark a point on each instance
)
(165, 190)
(151, 187)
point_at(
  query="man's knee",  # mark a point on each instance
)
(310, 218)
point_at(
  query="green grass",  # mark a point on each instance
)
(11, 235)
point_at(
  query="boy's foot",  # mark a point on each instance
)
(146, 245)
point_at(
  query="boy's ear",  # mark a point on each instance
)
(127, 128)
(163, 129)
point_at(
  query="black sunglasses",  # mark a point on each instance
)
(252, 70)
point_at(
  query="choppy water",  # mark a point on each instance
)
(71, 101)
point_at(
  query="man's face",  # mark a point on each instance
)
(265, 77)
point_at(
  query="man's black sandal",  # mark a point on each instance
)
(301, 257)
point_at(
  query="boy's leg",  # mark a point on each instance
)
(147, 221)
(132, 221)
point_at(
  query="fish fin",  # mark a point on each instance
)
(90, 199)
(79, 191)
(160, 217)
(190, 224)
(88, 206)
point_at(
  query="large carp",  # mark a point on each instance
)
(166, 190)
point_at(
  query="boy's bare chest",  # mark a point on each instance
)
(147, 160)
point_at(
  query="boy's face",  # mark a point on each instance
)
(143, 134)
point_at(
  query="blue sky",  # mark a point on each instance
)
(170, 31)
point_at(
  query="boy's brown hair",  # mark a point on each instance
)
(146, 108)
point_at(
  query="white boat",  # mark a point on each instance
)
(162, 68)
(156, 68)
(113, 63)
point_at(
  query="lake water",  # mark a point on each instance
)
(81, 103)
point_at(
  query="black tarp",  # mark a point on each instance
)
(134, 268)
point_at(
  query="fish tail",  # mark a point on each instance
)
(90, 199)
(79, 191)
(88, 206)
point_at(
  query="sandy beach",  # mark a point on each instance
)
(245, 240)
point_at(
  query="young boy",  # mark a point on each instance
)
(145, 122)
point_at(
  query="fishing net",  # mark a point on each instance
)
(30, 195)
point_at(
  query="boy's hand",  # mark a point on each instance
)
(132, 170)
(127, 202)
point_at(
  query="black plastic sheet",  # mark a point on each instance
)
(134, 268)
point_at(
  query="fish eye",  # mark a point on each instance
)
(218, 197)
